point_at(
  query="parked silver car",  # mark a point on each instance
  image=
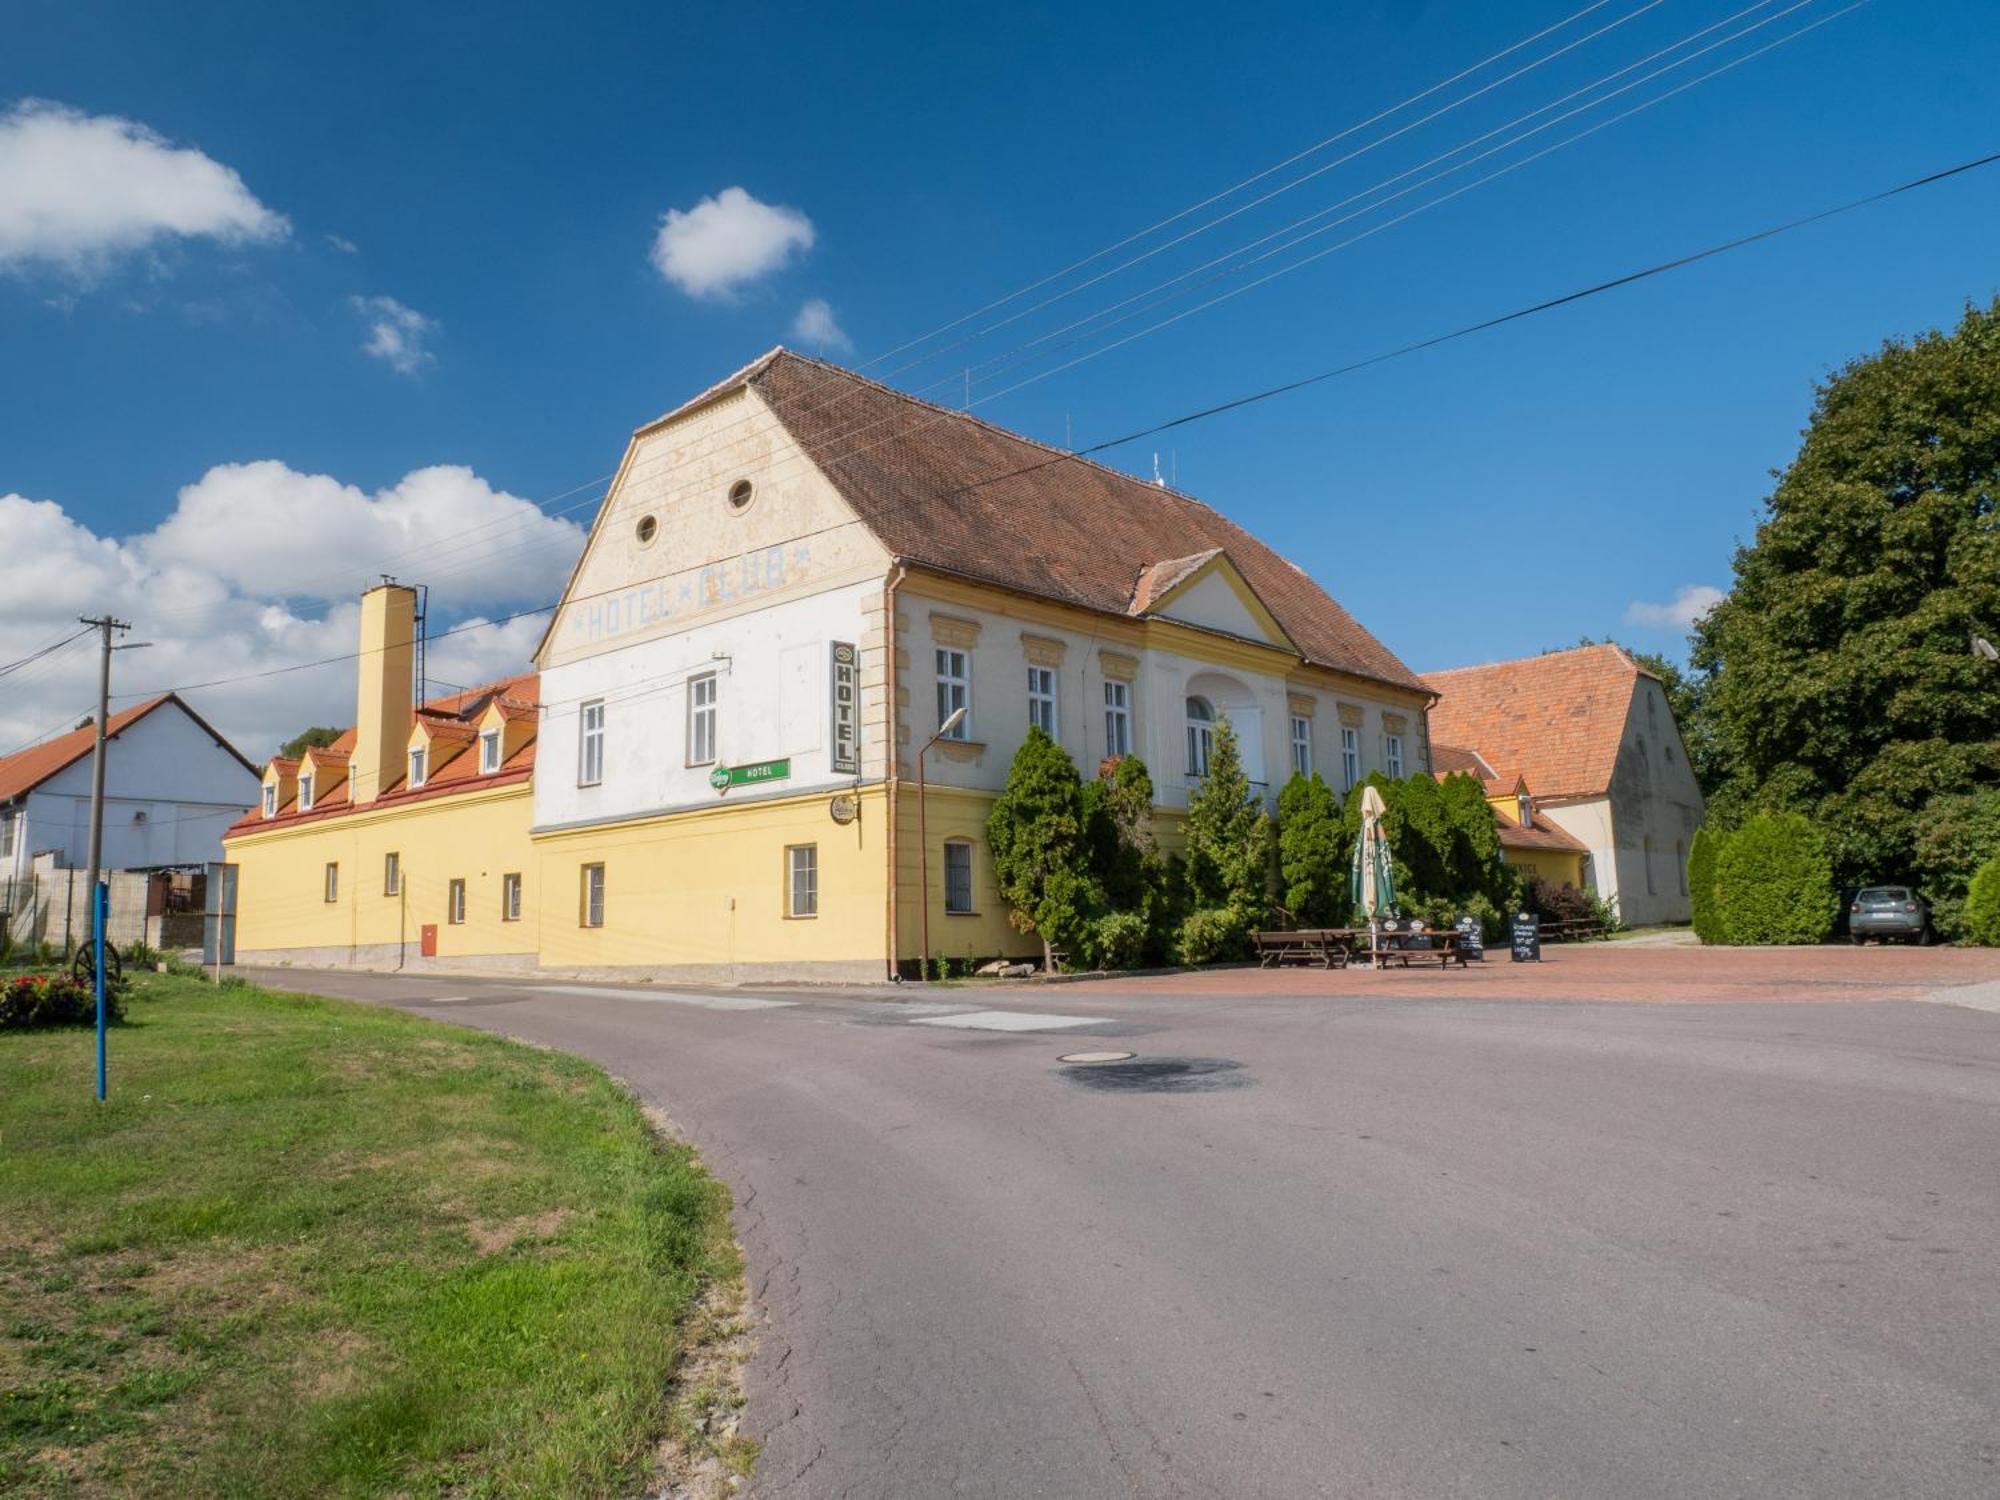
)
(1885, 912)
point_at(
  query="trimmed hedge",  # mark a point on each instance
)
(1774, 882)
(1980, 919)
(1702, 852)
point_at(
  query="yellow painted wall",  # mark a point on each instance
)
(705, 891)
(476, 836)
(1551, 866)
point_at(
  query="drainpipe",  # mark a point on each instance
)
(891, 749)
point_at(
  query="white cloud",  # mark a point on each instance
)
(1690, 602)
(258, 566)
(343, 244)
(816, 326)
(397, 335)
(78, 190)
(726, 242)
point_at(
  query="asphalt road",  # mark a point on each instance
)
(1419, 1248)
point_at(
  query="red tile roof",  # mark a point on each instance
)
(458, 771)
(943, 490)
(1558, 718)
(1541, 835)
(27, 769)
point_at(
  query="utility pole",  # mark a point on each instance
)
(105, 625)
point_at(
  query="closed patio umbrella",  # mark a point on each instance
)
(1373, 885)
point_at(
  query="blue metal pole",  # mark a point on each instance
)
(100, 901)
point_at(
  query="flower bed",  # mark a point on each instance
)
(32, 1001)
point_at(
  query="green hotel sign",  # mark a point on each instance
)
(722, 778)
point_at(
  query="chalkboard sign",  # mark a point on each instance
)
(1472, 937)
(1527, 938)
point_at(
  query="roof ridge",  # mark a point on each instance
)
(962, 414)
(1515, 661)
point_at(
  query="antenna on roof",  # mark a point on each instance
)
(423, 653)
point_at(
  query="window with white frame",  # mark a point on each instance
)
(306, 798)
(590, 743)
(958, 878)
(7, 832)
(454, 903)
(1350, 758)
(592, 913)
(333, 882)
(419, 765)
(392, 874)
(1042, 699)
(1393, 745)
(270, 799)
(1200, 735)
(802, 880)
(510, 898)
(703, 692)
(1117, 718)
(954, 690)
(489, 752)
(1302, 744)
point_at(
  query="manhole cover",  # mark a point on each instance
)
(1094, 1057)
(1161, 1075)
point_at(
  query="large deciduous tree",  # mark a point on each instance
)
(1838, 677)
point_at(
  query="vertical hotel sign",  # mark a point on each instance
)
(846, 706)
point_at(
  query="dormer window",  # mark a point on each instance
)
(489, 752)
(417, 767)
(270, 799)
(305, 793)
(1527, 810)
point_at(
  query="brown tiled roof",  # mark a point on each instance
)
(943, 490)
(1541, 835)
(25, 770)
(457, 772)
(1558, 718)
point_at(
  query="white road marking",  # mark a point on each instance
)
(1009, 1020)
(670, 997)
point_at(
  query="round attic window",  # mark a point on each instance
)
(647, 529)
(740, 495)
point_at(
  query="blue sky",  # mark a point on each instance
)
(500, 176)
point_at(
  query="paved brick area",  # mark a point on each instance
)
(1621, 971)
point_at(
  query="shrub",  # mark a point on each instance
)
(1312, 854)
(1774, 882)
(32, 1001)
(1036, 833)
(1702, 852)
(1211, 935)
(1981, 916)
(1228, 836)
(1116, 940)
(1558, 903)
(1956, 836)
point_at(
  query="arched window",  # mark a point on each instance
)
(1200, 735)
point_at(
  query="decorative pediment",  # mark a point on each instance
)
(1207, 591)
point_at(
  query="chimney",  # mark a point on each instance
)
(382, 700)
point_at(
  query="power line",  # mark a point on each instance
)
(49, 650)
(1630, 278)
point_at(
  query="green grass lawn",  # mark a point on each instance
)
(314, 1248)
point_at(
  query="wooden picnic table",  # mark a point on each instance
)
(1336, 947)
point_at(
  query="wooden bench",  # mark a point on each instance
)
(1573, 930)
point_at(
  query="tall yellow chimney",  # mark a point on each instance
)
(382, 700)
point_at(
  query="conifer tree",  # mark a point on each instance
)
(1228, 836)
(1036, 833)
(1312, 853)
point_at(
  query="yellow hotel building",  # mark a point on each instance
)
(794, 580)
